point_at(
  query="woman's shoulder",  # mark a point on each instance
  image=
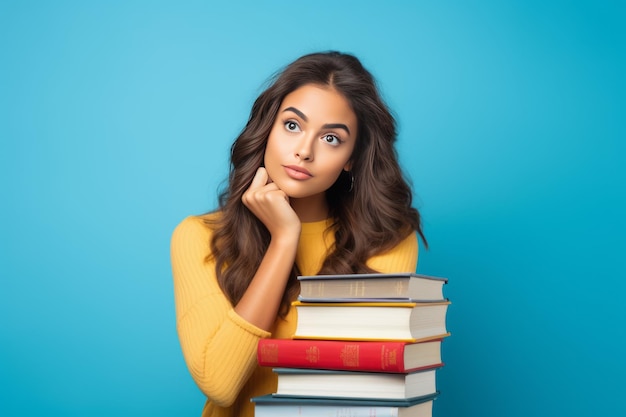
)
(195, 227)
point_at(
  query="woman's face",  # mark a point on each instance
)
(311, 141)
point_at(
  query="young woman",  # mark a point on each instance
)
(314, 188)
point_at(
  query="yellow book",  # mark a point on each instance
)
(371, 321)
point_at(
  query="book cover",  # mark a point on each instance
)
(375, 286)
(281, 399)
(386, 356)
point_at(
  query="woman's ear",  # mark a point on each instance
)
(348, 166)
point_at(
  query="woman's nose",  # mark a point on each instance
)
(304, 150)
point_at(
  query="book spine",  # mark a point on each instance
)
(339, 355)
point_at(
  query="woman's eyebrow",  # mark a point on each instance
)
(337, 126)
(298, 112)
(326, 126)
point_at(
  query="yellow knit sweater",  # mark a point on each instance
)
(219, 347)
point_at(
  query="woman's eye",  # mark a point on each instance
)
(331, 139)
(292, 126)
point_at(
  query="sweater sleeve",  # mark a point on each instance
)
(401, 258)
(219, 346)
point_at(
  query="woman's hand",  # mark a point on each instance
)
(271, 205)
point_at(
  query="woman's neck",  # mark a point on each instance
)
(310, 209)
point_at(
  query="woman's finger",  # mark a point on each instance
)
(260, 178)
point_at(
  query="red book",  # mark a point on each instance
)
(382, 356)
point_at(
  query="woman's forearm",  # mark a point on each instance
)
(261, 301)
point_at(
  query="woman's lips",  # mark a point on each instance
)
(296, 172)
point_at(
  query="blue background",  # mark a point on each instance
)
(115, 123)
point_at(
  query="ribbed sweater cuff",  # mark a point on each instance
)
(247, 326)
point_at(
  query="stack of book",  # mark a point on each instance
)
(365, 345)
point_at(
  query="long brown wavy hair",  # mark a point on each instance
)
(371, 206)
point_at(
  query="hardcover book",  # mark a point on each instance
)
(398, 321)
(351, 384)
(276, 406)
(353, 287)
(389, 356)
